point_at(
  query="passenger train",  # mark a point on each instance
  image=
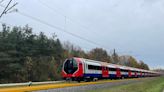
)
(80, 69)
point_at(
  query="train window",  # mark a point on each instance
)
(133, 71)
(112, 69)
(94, 67)
(105, 68)
(90, 67)
(70, 66)
(97, 67)
(123, 70)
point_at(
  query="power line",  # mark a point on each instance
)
(61, 29)
(58, 28)
(66, 18)
(86, 48)
(11, 7)
(55, 10)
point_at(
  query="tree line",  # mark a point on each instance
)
(25, 56)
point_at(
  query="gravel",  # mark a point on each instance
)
(90, 87)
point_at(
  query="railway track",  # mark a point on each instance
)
(60, 85)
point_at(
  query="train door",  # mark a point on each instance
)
(105, 72)
(118, 73)
(129, 73)
(80, 72)
(143, 74)
(140, 74)
(135, 74)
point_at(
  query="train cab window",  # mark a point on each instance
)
(70, 66)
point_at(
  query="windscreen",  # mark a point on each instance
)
(70, 66)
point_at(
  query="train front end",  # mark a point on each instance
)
(72, 69)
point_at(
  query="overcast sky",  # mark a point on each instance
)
(133, 27)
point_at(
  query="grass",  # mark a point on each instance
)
(154, 85)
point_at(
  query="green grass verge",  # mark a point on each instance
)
(153, 85)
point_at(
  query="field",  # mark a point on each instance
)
(154, 85)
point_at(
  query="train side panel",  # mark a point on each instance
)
(90, 71)
(81, 69)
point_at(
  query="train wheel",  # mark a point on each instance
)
(122, 77)
(79, 80)
(95, 79)
(68, 79)
(86, 79)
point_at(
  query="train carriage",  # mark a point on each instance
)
(79, 69)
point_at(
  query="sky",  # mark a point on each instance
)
(132, 27)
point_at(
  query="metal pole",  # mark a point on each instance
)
(5, 8)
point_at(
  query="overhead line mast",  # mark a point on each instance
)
(4, 11)
(6, 8)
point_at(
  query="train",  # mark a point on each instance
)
(81, 69)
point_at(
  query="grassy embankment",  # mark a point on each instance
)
(154, 85)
